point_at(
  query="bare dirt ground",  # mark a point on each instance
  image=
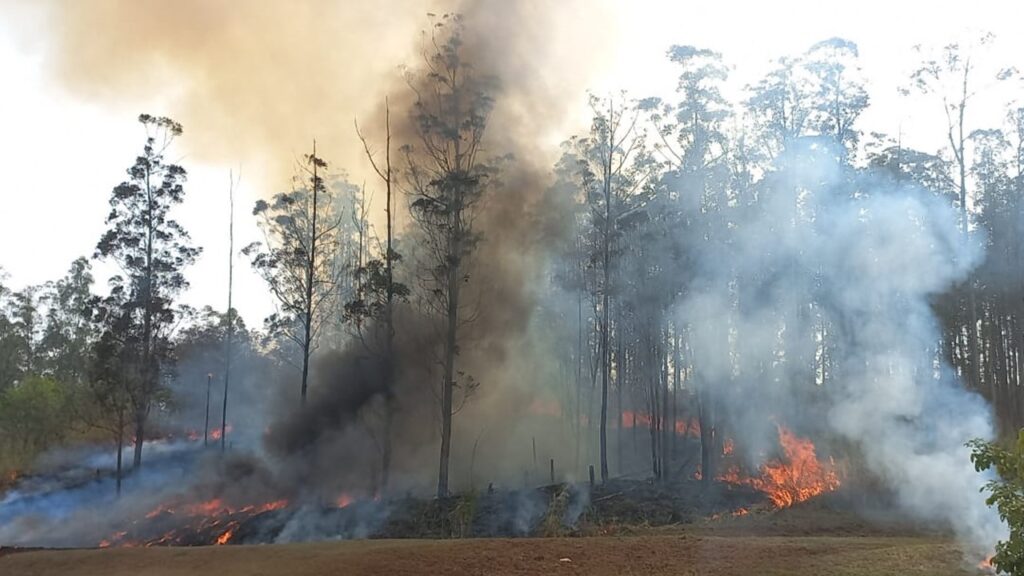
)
(661, 554)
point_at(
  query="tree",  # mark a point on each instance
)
(839, 96)
(152, 249)
(297, 260)
(447, 180)
(33, 417)
(228, 349)
(692, 204)
(950, 75)
(114, 371)
(68, 330)
(20, 327)
(610, 167)
(377, 291)
(201, 352)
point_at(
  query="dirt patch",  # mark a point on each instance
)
(680, 554)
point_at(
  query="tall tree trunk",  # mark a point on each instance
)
(228, 349)
(705, 412)
(447, 391)
(310, 275)
(389, 312)
(206, 421)
(120, 448)
(149, 375)
(605, 289)
(140, 425)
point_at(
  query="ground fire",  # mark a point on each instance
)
(209, 522)
(796, 476)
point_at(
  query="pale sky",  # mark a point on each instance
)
(62, 152)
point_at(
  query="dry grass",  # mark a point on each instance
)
(678, 554)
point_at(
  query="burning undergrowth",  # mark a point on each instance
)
(235, 499)
(796, 476)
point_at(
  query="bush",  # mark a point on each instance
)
(34, 415)
(1006, 493)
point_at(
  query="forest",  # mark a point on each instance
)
(697, 283)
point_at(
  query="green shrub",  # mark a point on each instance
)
(1006, 493)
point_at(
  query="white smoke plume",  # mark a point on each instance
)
(870, 254)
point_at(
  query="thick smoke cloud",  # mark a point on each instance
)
(258, 84)
(871, 254)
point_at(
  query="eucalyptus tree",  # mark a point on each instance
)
(68, 329)
(695, 200)
(297, 261)
(610, 167)
(378, 292)
(152, 250)
(951, 75)
(839, 96)
(447, 178)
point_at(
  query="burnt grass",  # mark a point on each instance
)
(555, 510)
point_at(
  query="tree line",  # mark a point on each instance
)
(650, 185)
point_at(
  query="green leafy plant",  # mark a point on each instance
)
(1006, 493)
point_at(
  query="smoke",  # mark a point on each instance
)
(260, 82)
(870, 254)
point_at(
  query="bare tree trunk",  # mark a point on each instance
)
(449, 355)
(311, 268)
(228, 349)
(705, 414)
(389, 349)
(675, 391)
(621, 377)
(206, 421)
(387, 359)
(140, 425)
(120, 448)
(605, 289)
(665, 440)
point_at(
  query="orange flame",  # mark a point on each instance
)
(728, 447)
(203, 518)
(797, 477)
(226, 536)
(343, 500)
(684, 426)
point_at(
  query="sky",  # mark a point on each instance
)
(63, 147)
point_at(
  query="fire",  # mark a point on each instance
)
(226, 536)
(728, 447)
(212, 521)
(276, 505)
(212, 433)
(797, 477)
(684, 427)
(986, 566)
(344, 500)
